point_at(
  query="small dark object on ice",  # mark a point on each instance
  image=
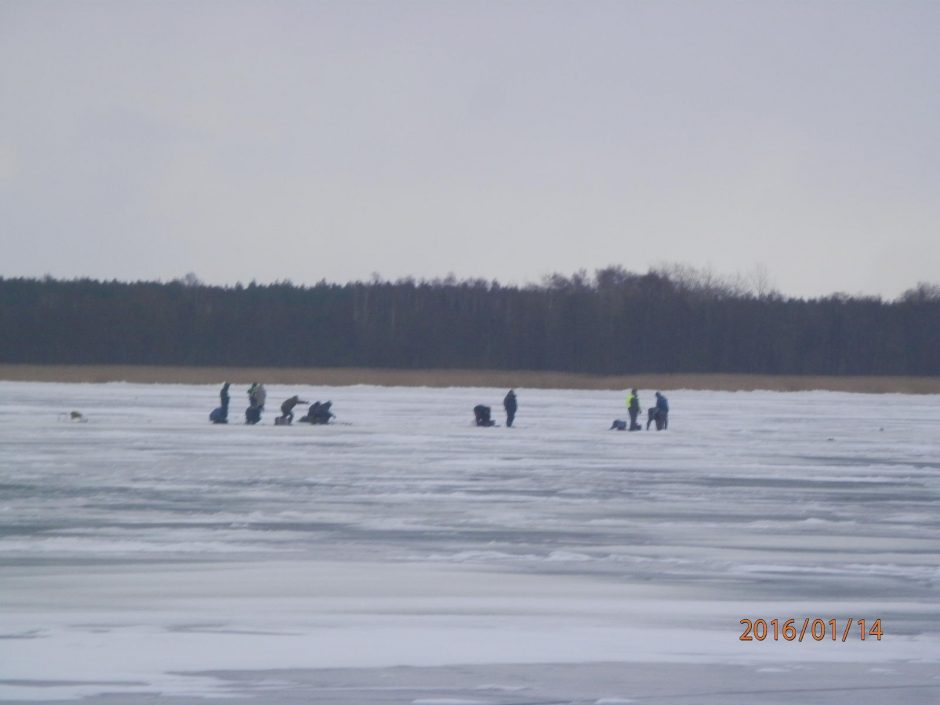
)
(73, 416)
(618, 424)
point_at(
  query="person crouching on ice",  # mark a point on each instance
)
(287, 408)
(256, 398)
(481, 415)
(659, 413)
(220, 413)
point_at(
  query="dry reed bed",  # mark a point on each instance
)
(461, 378)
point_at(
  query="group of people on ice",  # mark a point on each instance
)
(658, 414)
(318, 413)
(482, 414)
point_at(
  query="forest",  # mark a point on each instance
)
(612, 322)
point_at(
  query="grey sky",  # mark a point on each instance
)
(307, 140)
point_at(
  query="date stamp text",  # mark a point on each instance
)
(808, 628)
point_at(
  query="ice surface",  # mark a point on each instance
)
(403, 555)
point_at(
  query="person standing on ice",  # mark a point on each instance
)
(257, 395)
(633, 408)
(511, 405)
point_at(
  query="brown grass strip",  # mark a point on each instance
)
(460, 378)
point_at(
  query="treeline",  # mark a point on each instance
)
(613, 322)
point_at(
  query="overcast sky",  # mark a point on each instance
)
(305, 140)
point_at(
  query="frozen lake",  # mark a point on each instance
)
(402, 555)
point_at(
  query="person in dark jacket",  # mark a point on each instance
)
(481, 414)
(633, 408)
(256, 398)
(318, 413)
(220, 413)
(662, 412)
(659, 413)
(287, 408)
(511, 405)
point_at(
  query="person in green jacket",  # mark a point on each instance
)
(633, 408)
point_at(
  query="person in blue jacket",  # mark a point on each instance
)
(659, 413)
(220, 413)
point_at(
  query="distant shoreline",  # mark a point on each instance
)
(460, 378)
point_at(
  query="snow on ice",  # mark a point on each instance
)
(402, 555)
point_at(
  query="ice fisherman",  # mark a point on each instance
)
(481, 414)
(511, 405)
(633, 408)
(220, 413)
(659, 413)
(256, 398)
(287, 407)
(318, 413)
